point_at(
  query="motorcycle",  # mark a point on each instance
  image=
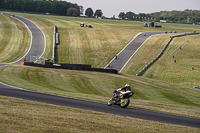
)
(123, 101)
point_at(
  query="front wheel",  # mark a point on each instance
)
(125, 102)
(109, 102)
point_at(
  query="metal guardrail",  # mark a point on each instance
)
(55, 42)
(162, 52)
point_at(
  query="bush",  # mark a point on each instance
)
(72, 12)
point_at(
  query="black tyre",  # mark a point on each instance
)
(125, 102)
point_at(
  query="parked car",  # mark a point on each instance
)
(196, 87)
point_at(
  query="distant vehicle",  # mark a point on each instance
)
(89, 26)
(145, 25)
(163, 21)
(196, 87)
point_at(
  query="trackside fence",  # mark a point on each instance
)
(162, 52)
(82, 67)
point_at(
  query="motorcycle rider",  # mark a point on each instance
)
(118, 95)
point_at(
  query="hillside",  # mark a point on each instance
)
(95, 46)
(165, 69)
(14, 39)
(156, 90)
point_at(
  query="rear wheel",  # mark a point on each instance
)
(110, 102)
(125, 102)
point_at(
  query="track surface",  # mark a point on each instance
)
(89, 105)
(125, 54)
(37, 49)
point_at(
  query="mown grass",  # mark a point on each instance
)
(19, 115)
(165, 69)
(14, 39)
(149, 94)
(95, 46)
(146, 53)
(180, 72)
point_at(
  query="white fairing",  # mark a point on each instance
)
(125, 92)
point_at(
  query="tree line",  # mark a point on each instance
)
(187, 15)
(70, 9)
(42, 6)
(192, 16)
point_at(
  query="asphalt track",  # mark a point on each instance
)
(100, 107)
(123, 57)
(10, 91)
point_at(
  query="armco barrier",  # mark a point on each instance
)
(55, 42)
(54, 45)
(72, 67)
(161, 53)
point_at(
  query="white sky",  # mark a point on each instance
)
(114, 7)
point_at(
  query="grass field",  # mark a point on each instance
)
(180, 72)
(149, 94)
(95, 46)
(26, 116)
(161, 88)
(14, 39)
(165, 69)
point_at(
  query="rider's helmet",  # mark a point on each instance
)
(127, 85)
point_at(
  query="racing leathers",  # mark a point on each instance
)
(118, 94)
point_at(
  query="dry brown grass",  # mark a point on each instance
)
(26, 116)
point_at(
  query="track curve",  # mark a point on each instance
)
(37, 48)
(38, 41)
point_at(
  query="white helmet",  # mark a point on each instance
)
(127, 85)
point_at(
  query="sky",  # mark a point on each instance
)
(114, 7)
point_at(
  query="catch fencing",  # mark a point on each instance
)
(162, 52)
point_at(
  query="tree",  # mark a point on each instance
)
(176, 20)
(89, 12)
(1, 3)
(193, 19)
(129, 15)
(72, 12)
(43, 6)
(121, 15)
(98, 13)
(81, 9)
(113, 17)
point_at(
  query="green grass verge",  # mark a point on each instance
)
(149, 94)
(14, 39)
(149, 50)
(165, 69)
(96, 46)
(19, 115)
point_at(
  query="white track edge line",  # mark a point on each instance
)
(134, 54)
(124, 48)
(31, 39)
